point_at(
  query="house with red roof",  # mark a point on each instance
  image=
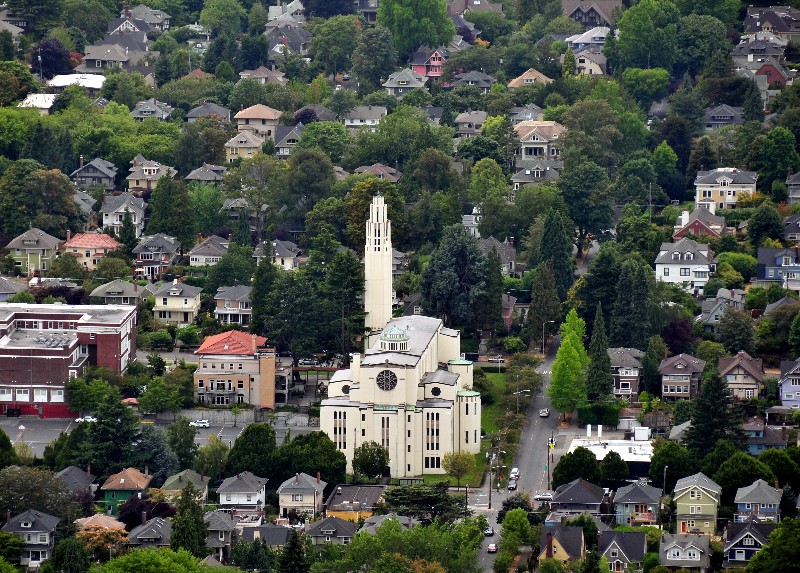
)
(89, 248)
(236, 367)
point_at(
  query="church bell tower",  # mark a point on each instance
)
(377, 269)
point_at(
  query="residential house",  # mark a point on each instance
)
(538, 140)
(155, 255)
(680, 377)
(697, 500)
(98, 521)
(744, 375)
(175, 484)
(259, 119)
(243, 494)
(208, 109)
(776, 75)
(9, 287)
(791, 226)
(779, 266)
(155, 532)
(534, 173)
(624, 550)
(145, 175)
(402, 82)
(381, 171)
(37, 531)
(764, 89)
(429, 63)
(593, 39)
(626, 368)
(314, 112)
(637, 504)
(33, 251)
(294, 10)
(120, 487)
(789, 383)
(368, 9)
(758, 501)
(787, 300)
(233, 305)
(793, 184)
(590, 63)
(749, 49)
(734, 298)
(721, 188)
(529, 112)
(371, 524)
(43, 103)
(235, 367)
(472, 221)
(475, 79)
(14, 24)
(721, 116)
(222, 534)
(353, 502)
(364, 116)
(761, 437)
(118, 291)
(244, 145)
(286, 39)
(563, 543)
(207, 173)
(301, 494)
(157, 19)
(104, 57)
(209, 252)
(89, 248)
(686, 263)
(458, 7)
(151, 108)
(78, 480)
(271, 534)
(286, 139)
(97, 173)
(578, 496)
(685, 552)
(590, 13)
(528, 78)
(177, 303)
(782, 21)
(85, 204)
(506, 252)
(264, 76)
(114, 208)
(711, 312)
(91, 83)
(470, 123)
(743, 540)
(332, 530)
(701, 223)
(284, 254)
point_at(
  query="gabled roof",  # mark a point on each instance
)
(697, 480)
(529, 74)
(38, 101)
(768, 255)
(244, 482)
(152, 108)
(91, 241)
(701, 253)
(277, 248)
(405, 78)
(105, 167)
(181, 479)
(568, 536)
(529, 112)
(702, 543)
(11, 286)
(33, 239)
(543, 130)
(209, 108)
(302, 482)
(207, 172)
(758, 530)
(99, 520)
(381, 171)
(158, 529)
(505, 251)
(681, 364)
(274, 535)
(263, 73)
(76, 478)
(474, 78)
(578, 491)
(178, 289)
(596, 35)
(212, 246)
(758, 492)
(477, 116)
(603, 8)
(734, 175)
(284, 132)
(334, 527)
(354, 497)
(753, 366)
(626, 357)
(219, 521)
(245, 139)
(39, 521)
(233, 342)
(786, 300)
(731, 114)
(238, 292)
(632, 544)
(114, 203)
(259, 111)
(158, 242)
(371, 524)
(140, 25)
(638, 492)
(367, 112)
(129, 479)
(322, 112)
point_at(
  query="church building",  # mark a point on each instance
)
(410, 391)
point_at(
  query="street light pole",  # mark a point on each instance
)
(665, 480)
(543, 325)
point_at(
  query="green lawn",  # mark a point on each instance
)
(490, 414)
(473, 478)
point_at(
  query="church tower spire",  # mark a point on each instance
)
(378, 268)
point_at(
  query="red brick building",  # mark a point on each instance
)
(43, 345)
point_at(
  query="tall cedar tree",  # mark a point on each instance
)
(656, 352)
(630, 323)
(127, 235)
(171, 212)
(714, 416)
(545, 309)
(189, 529)
(489, 301)
(599, 381)
(557, 248)
(263, 282)
(293, 558)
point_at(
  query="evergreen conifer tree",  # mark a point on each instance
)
(557, 248)
(545, 309)
(293, 558)
(753, 104)
(630, 322)
(189, 529)
(127, 234)
(599, 381)
(714, 416)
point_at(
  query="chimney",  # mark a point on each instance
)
(549, 546)
(146, 471)
(729, 531)
(318, 477)
(144, 517)
(69, 235)
(776, 485)
(296, 478)
(81, 159)
(89, 470)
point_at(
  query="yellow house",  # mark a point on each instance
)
(563, 543)
(177, 303)
(353, 502)
(244, 145)
(89, 248)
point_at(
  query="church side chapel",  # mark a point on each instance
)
(410, 391)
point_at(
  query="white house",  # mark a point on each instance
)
(685, 263)
(243, 494)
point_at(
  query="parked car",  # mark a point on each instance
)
(512, 484)
(543, 496)
(308, 362)
(200, 424)
(497, 358)
(514, 473)
(544, 412)
(489, 531)
(86, 419)
(492, 548)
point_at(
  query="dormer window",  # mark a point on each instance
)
(688, 256)
(724, 183)
(25, 524)
(676, 256)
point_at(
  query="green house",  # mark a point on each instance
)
(34, 250)
(120, 487)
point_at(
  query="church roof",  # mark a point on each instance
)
(420, 330)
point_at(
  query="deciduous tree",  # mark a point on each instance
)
(414, 23)
(370, 459)
(253, 451)
(458, 464)
(581, 463)
(180, 437)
